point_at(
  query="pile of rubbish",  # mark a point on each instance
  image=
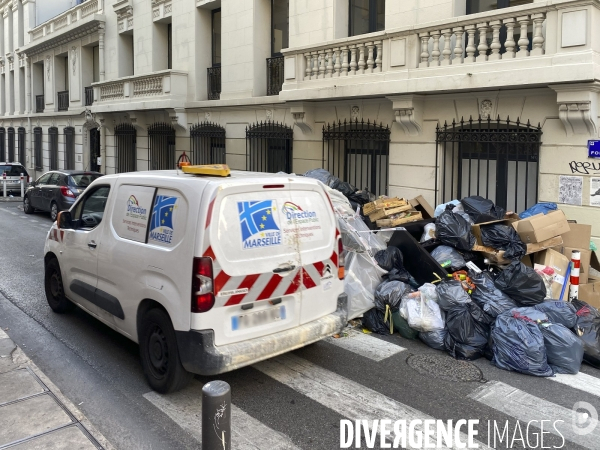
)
(471, 279)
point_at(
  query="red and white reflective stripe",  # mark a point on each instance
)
(56, 235)
(575, 269)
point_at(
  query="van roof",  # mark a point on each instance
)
(179, 176)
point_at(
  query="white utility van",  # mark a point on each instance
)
(208, 274)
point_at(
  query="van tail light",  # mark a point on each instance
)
(203, 297)
(65, 191)
(341, 258)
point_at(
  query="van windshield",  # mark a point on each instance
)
(83, 180)
(13, 170)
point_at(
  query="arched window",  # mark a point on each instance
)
(53, 146)
(37, 148)
(11, 144)
(207, 144)
(21, 145)
(358, 153)
(269, 147)
(161, 151)
(125, 143)
(69, 148)
(497, 159)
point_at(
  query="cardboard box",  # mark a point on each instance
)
(382, 213)
(542, 227)
(497, 256)
(594, 264)
(393, 202)
(404, 217)
(476, 229)
(559, 263)
(590, 293)
(421, 205)
(586, 257)
(579, 236)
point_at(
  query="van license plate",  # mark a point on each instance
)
(257, 318)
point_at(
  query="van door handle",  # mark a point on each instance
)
(284, 269)
(92, 244)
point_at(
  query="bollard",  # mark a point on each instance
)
(22, 186)
(216, 416)
(575, 267)
(4, 185)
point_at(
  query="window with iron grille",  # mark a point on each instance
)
(161, 151)
(269, 147)
(3, 156)
(497, 159)
(21, 145)
(11, 144)
(207, 143)
(125, 143)
(37, 148)
(53, 146)
(69, 148)
(358, 153)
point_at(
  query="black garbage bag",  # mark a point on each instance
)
(390, 258)
(324, 177)
(559, 312)
(518, 343)
(588, 329)
(434, 339)
(373, 320)
(468, 331)
(449, 258)
(504, 237)
(455, 231)
(345, 188)
(401, 275)
(563, 348)
(482, 210)
(451, 294)
(390, 293)
(522, 284)
(361, 197)
(402, 327)
(488, 297)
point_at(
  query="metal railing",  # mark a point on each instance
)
(214, 83)
(275, 76)
(89, 96)
(207, 144)
(161, 143)
(37, 148)
(125, 143)
(39, 103)
(63, 101)
(53, 147)
(269, 147)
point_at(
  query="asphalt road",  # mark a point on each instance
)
(295, 401)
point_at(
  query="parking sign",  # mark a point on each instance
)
(593, 149)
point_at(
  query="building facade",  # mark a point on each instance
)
(441, 98)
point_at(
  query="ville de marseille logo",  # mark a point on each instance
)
(161, 223)
(257, 221)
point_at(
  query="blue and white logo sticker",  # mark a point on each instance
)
(257, 221)
(161, 222)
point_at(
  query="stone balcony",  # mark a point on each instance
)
(538, 44)
(73, 17)
(166, 86)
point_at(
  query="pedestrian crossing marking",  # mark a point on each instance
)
(581, 381)
(365, 345)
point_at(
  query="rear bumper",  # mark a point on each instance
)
(199, 354)
(64, 204)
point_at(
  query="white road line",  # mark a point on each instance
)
(366, 345)
(33, 220)
(348, 398)
(526, 407)
(581, 381)
(185, 409)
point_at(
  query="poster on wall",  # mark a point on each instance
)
(570, 190)
(594, 191)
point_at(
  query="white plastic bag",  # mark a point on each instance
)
(363, 275)
(357, 237)
(429, 232)
(421, 310)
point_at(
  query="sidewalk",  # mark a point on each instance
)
(33, 412)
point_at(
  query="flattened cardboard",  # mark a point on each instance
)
(559, 263)
(421, 205)
(542, 227)
(590, 293)
(476, 229)
(579, 236)
(497, 256)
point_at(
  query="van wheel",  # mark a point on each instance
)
(160, 355)
(53, 211)
(55, 293)
(27, 208)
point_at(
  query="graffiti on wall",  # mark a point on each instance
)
(585, 167)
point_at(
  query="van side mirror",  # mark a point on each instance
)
(64, 220)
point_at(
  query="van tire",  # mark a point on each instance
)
(55, 291)
(159, 353)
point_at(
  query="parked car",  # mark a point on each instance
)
(207, 274)
(57, 190)
(13, 173)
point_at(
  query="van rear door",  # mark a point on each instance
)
(257, 269)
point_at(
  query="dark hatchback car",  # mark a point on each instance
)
(57, 190)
